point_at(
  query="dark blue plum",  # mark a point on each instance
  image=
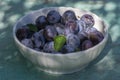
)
(87, 44)
(53, 17)
(41, 22)
(68, 15)
(50, 32)
(88, 20)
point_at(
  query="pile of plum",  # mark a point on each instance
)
(57, 33)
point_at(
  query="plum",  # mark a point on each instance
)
(87, 44)
(27, 42)
(53, 17)
(49, 47)
(41, 22)
(73, 40)
(68, 15)
(38, 39)
(72, 25)
(88, 19)
(50, 32)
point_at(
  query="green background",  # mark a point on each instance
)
(13, 66)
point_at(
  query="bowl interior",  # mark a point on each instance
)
(32, 16)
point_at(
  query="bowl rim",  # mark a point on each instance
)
(52, 54)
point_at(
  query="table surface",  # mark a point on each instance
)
(13, 66)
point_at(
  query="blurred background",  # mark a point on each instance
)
(13, 66)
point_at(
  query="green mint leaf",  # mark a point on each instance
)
(32, 27)
(59, 42)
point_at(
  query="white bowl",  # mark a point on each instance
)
(60, 63)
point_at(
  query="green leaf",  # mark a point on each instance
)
(32, 27)
(59, 42)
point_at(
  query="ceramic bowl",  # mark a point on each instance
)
(60, 63)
